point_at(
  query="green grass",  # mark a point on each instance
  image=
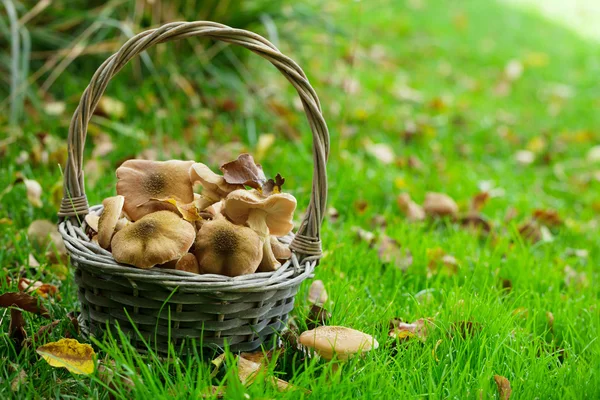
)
(454, 55)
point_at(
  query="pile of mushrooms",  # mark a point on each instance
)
(231, 227)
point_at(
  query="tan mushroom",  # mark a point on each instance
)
(265, 215)
(113, 206)
(140, 181)
(92, 221)
(154, 239)
(188, 263)
(214, 187)
(338, 341)
(227, 249)
(281, 251)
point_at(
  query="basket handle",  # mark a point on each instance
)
(74, 204)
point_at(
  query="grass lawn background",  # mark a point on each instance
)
(436, 82)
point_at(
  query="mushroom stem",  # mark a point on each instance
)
(203, 202)
(257, 222)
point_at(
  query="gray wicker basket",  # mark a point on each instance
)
(161, 307)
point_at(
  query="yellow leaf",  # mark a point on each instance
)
(69, 353)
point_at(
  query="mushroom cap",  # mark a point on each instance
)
(113, 206)
(154, 239)
(344, 342)
(214, 185)
(92, 221)
(227, 249)
(279, 209)
(188, 263)
(281, 251)
(139, 181)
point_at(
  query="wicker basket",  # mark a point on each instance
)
(165, 307)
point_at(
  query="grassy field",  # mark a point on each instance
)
(469, 96)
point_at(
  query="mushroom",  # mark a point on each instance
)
(139, 181)
(92, 221)
(214, 187)
(281, 251)
(188, 263)
(113, 206)
(265, 215)
(154, 239)
(227, 249)
(339, 341)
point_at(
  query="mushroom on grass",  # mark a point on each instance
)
(265, 215)
(154, 239)
(113, 207)
(338, 341)
(214, 187)
(227, 249)
(140, 181)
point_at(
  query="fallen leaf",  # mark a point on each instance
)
(70, 354)
(391, 252)
(333, 214)
(476, 223)
(110, 107)
(264, 143)
(273, 186)
(361, 206)
(504, 389)
(479, 201)
(530, 230)
(317, 293)
(19, 380)
(188, 211)
(439, 205)
(114, 380)
(403, 331)
(440, 262)
(381, 151)
(549, 218)
(412, 210)
(25, 302)
(379, 222)
(249, 371)
(54, 108)
(103, 145)
(244, 171)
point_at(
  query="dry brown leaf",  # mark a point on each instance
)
(333, 214)
(361, 206)
(390, 251)
(439, 205)
(364, 235)
(188, 211)
(317, 293)
(476, 223)
(244, 171)
(19, 380)
(412, 210)
(103, 145)
(25, 302)
(43, 289)
(440, 262)
(504, 389)
(273, 186)
(43, 233)
(70, 354)
(530, 230)
(404, 331)
(549, 218)
(479, 201)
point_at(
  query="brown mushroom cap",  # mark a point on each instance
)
(92, 221)
(340, 341)
(281, 251)
(143, 180)
(226, 249)
(154, 239)
(279, 209)
(113, 206)
(214, 187)
(188, 263)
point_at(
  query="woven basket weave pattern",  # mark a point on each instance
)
(166, 306)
